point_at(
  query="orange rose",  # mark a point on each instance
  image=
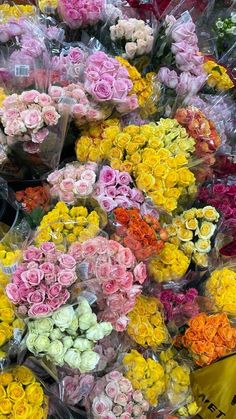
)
(198, 322)
(209, 332)
(199, 347)
(227, 335)
(192, 335)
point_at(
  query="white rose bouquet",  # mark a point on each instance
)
(68, 336)
(134, 36)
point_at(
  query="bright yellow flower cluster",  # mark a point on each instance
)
(2, 96)
(8, 258)
(44, 4)
(146, 375)
(170, 264)
(64, 225)
(156, 155)
(8, 12)
(146, 325)
(142, 86)
(218, 77)
(8, 320)
(192, 232)
(21, 396)
(221, 288)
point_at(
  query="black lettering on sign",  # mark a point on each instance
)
(220, 414)
(212, 407)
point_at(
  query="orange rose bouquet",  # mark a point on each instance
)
(209, 337)
(142, 234)
(21, 395)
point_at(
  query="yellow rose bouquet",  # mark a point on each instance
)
(8, 12)
(146, 324)
(9, 258)
(63, 225)
(170, 265)
(178, 387)
(21, 395)
(221, 289)
(217, 76)
(145, 375)
(192, 232)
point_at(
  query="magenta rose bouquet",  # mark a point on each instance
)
(222, 196)
(110, 271)
(27, 118)
(113, 396)
(40, 284)
(80, 13)
(179, 306)
(116, 189)
(72, 181)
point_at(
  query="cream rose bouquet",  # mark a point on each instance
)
(68, 336)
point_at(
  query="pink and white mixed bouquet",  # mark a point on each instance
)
(40, 283)
(73, 181)
(27, 117)
(116, 189)
(113, 396)
(110, 271)
(80, 13)
(136, 33)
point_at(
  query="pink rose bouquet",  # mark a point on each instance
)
(113, 396)
(113, 274)
(27, 118)
(76, 387)
(40, 284)
(72, 181)
(80, 13)
(115, 189)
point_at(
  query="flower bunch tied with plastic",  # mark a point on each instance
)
(220, 288)
(225, 30)
(111, 272)
(68, 336)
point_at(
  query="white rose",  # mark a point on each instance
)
(95, 333)
(87, 320)
(56, 351)
(83, 307)
(30, 340)
(55, 334)
(138, 35)
(149, 43)
(113, 33)
(72, 330)
(106, 328)
(141, 47)
(43, 325)
(82, 344)
(120, 30)
(89, 360)
(129, 30)
(63, 317)
(67, 342)
(41, 344)
(72, 358)
(130, 49)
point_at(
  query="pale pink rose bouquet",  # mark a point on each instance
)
(116, 189)
(113, 396)
(41, 283)
(111, 272)
(73, 181)
(28, 117)
(76, 387)
(80, 13)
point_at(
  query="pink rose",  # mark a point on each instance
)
(126, 282)
(24, 291)
(47, 247)
(121, 323)
(124, 191)
(106, 203)
(54, 291)
(121, 399)
(120, 89)
(40, 136)
(184, 32)
(137, 396)
(111, 191)
(44, 99)
(67, 261)
(125, 385)
(76, 251)
(137, 410)
(82, 187)
(55, 92)
(124, 178)
(103, 270)
(55, 177)
(140, 272)
(129, 104)
(32, 254)
(114, 376)
(112, 389)
(32, 118)
(168, 78)
(76, 55)
(36, 297)
(47, 268)
(123, 201)
(126, 257)
(145, 405)
(97, 58)
(117, 410)
(118, 272)
(89, 248)
(101, 405)
(108, 415)
(32, 265)
(67, 185)
(30, 96)
(32, 276)
(134, 292)
(137, 195)
(50, 115)
(13, 293)
(88, 175)
(38, 310)
(110, 287)
(15, 127)
(66, 277)
(115, 302)
(49, 278)
(67, 197)
(113, 247)
(79, 110)
(102, 91)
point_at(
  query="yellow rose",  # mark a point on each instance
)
(21, 410)
(15, 391)
(184, 235)
(122, 139)
(132, 147)
(135, 158)
(34, 394)
(5, 406)
(7, 315)
(126, 166)
(210, 213)
(38, 413)
(145, 181)
(170, 204)
(3, 337)
(185, 176)
(180, 375)
(115, 164)
(6, 378)
(171, 179)
(24, 375)
(132, 130)
(2, 391)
